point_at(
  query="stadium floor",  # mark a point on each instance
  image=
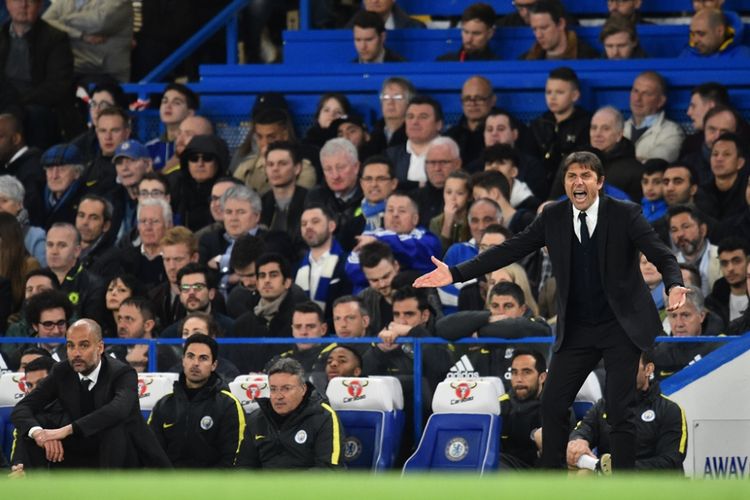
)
(307, 486)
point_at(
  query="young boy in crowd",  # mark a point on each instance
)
(654, 206)
(177, 103)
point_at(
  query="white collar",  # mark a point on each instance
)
(93, 376)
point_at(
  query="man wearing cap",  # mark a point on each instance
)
(63, 166)
(132, 161)
(352, 127)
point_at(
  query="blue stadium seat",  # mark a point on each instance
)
(12, 390)
(372, 424)
(590, 393)
(463, 433)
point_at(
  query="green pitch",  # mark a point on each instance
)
(354, 486)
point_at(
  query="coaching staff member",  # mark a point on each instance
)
(100, 394)
(605, 308)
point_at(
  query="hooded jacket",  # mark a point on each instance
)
(730, 48)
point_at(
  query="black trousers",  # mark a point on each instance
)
(582, 349)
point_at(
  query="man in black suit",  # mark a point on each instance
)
(604, 308)
(100, 395)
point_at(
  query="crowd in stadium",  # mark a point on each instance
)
(104, 234)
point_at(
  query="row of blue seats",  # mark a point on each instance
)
(336, 46)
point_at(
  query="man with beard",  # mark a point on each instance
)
(729, 295)
(690, 236)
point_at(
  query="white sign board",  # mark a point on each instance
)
(721, 449)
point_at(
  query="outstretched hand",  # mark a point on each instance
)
(440, 276)
(677, 297)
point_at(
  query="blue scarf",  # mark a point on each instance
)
(373, 213)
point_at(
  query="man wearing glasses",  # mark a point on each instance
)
(395, 94)
(477, 99)
(295, 428)
(48, 313)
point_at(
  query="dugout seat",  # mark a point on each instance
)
(12, 390)
(590, 393)
(368, 412)
(151, 388)
(463, 433)
(247, 388)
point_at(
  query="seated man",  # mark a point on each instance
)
(177, 103)
(293, 429)
(713, 34)
(393, 16)
(553, 39)
(369, 39)
(307, 322)
(477, 100)
(661, 430)
(200, 424)
(477, 30)
(620, 39)
(390, 130)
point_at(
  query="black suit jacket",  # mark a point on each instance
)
(622, 233)
(124, 439)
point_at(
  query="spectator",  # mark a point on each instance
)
(368, 30)
(307, 322)
(112, 129)
(395, 95)
(177, 103)
(679, 185)
(12, 194)
(628, 9)
(203, 323)
(321, 272)
(204, 161)
(553, 39)
(661, 432)
(35, 282)
(341, 193)
(343, 361)
(189, 127)
(563, 128)
(84, 289)
(477, 30)
(63, 168)
(132, 162)
(244, 296)
(393, 16)
(494, 186)
(201, 424)
(724, 196)
(14, 264)
(38, 70)
(120, 288)
(477, 99)
(106, 94)
(653, 135)
(270, 126)
(441, 159)
(101, 34)
(107, 427)
(715, 34)
(179, 247)
(94, 224)
(699, 5)
(352, 127)
(330, 106)
(620, 38)
(294, 412)
(48, 315)
(729, 296)
(652, 278)
(702, 98)
(717, 121)
(689, 235)
(23, 163)
(653, 204)
(221, 186)
(452, 226)
(505, 159)
(521, 17)
(350, 320)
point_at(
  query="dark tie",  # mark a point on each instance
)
(87, 397)
(584, 229)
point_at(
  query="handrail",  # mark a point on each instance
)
(416, 341)
(227, 17)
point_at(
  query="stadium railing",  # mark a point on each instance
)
(417, 346)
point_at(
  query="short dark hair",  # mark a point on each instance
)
(720, 108)
(565, 74)
(617, 23)
(143, 305)
(156, 176)
(271, 116)
(191, 98)
(198, 268)
(108, 209)
(351, 349)
(114, 89)
(371, 254)
(482, 12)
(489, 179)
(323, 208)
(695, 275)
(586, 159)
(246, 250)
(501, 153)
(732, 137)
(693, 212)
(514, 123)
(656, 77)
(345, 299)
(378, 159)
(552, 7)
(116, 111)
(464, 176)
(290, 366)
(36, 350)
(539, 362)
(214, 330)
(43, 271)
(430, 101)
(46, 300)
(510, 289)
(365, 19)
(136, 286)
(654, 165)
(409, 292)
(42, 363)
(271, 257)
(199, 338)
(712, 91)
(731, 243)
(310, 307)
(498, 229)
(288, 146)
(692, 178)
